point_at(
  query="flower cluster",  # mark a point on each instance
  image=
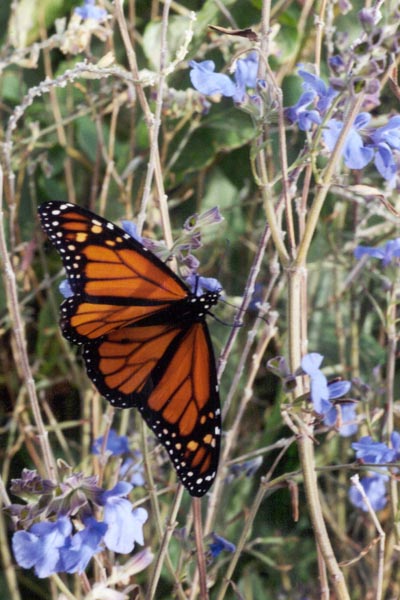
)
(205, 80)
(59, 529)
(342, 414)
(362, 144)
(323, 395)
(376, 453)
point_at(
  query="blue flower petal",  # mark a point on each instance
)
(65, 288)
(219, 545)
(311, 362)
(319, 384)
(75, 556)
(245, 75)
(386, 163)
(389, 133)
(337, 389)
(356, 155)
(90, 11)
(125, 526)
(395, 439)
(131, 228)
(299, 113)
(40, 547)
(348, 416)
(386, 253)
(349, 419)
(362, 120)
(116, 444)
(373, 452)
(200, 285)
(375, 489)
(325, 94)
(360, 251)
(209, 83)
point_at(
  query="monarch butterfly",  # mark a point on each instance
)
(144, 336)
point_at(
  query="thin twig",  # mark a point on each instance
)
(200, 555)
(21, 356)
(169, 529)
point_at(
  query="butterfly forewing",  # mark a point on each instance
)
(115, 280)
(144, 336)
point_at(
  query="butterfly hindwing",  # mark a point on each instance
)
(160, 370)
(144, 336)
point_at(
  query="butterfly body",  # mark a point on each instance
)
(144, 336)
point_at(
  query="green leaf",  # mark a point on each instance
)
(177, 30)
(12, 87)
(87, 137)
(25, 20)
(223, 130)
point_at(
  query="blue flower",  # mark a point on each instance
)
(348, 418)
(386, 139)
(50, 545)
(200, 285)
(207, 82)
(376, 453)
(65, 288)
(386, 163)
(385, 253)
(319, 384)
(90, 11)
(373, 452)
(131, 228)
(318, 86)
(81, 547)
(323, 392)
(388, 134)
(299, 113)
(245, 75)
(375, 489)
(220, 544)
(317, 94)
(356, 154)
(40, 546)
(116, 444)
(125, 526)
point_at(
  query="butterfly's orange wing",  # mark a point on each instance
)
(144, 336)
(168, 373)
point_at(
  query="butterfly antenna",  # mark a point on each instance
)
(223, 322)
